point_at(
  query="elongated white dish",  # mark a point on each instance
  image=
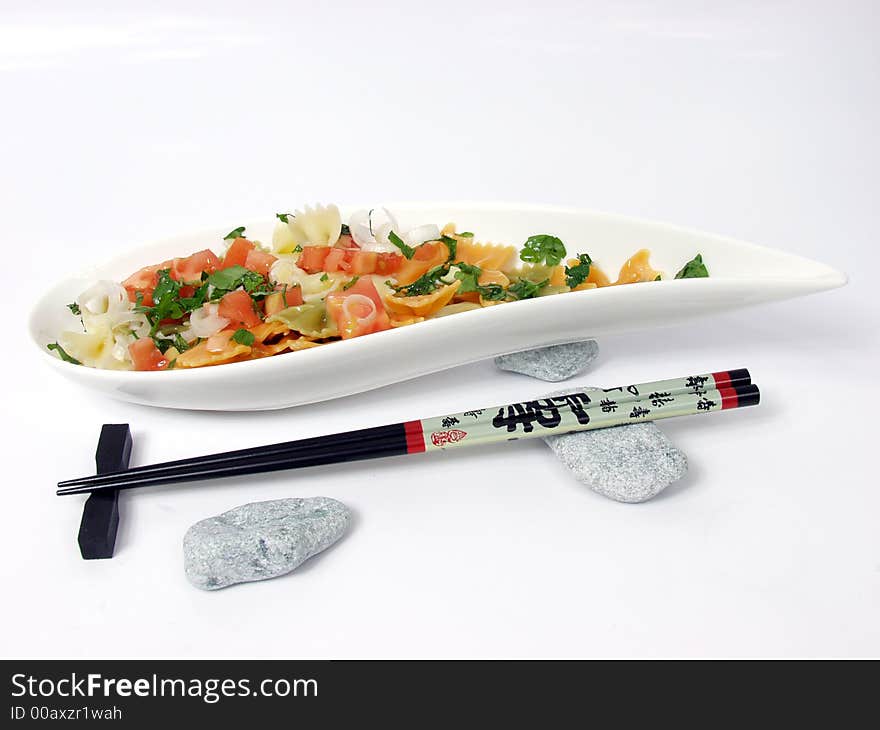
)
(741, 274)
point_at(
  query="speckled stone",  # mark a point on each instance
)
(261, 540)
(555, 363)
(630, 463)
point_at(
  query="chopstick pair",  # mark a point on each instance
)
(577, 411)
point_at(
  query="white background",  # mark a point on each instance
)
(757, 119)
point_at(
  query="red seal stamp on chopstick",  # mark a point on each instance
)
(442, 438)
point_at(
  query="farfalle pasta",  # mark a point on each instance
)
(485, 255)
(423, 305)
(321, 281)
(318, 226)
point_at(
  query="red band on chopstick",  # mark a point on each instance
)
(729, 397)
(727, 378)
(415, 438)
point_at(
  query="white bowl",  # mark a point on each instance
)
(740, 274)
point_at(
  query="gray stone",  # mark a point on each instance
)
(554, 363)
(630, 463)
(261, 540)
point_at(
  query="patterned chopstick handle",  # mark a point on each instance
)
(567, 413)
(696, 384)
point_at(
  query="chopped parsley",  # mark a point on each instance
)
(198, 298)
(349, 284)
(74, 307)
(283, 217)
(452, 245)
(227, 280)
(324, 277)
(466, 234)
(62, 354)
(166, 302)
(181, 344)
(693, 269)
(526, 289)
(543, 248)
(469, 276)
(234, 233)
(425, 284)
(162, 344)
(493, 292)
(407, 251)
(297, 249)
(243, 337)
(169, 305)
(578, 274)
(432, 278)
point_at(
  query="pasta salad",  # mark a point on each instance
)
(320, 281)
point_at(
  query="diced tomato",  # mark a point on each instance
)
(292, 296)
(142, 282)
(282, 299)
(360, 315)
(237, 253)
(337, 260)
(259, 261)
(311, 260)
(146, 356)
(273, 304)
(362, 262)
(238, 308)
(145, 280)
(371, 262)
(356, 262)
(388, 263)
(190, 269)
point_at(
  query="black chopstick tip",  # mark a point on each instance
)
(747, 395)
(740, 376)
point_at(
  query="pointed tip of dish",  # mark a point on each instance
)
(833, 279)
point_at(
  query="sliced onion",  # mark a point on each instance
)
(420, 234)
(136, 322)
(206, 321)
(370, 229)
(103, 297)
(383, 240)
(285, 271)
(359, 225)
(449, 277)
(363, 303)
(120, 347)
(380, 217)
(106, 306)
